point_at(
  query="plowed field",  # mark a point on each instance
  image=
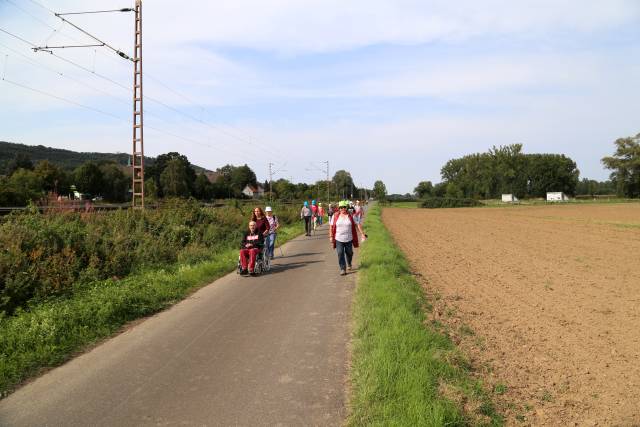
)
(544, 300)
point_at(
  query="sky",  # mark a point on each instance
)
(387, 90)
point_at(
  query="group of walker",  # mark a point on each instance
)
(258, 243)
(345, 221)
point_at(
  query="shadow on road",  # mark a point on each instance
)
(297, 255)
(278, 268)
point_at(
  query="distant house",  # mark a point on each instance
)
(253, 191)
(556, 196)
(509, 198)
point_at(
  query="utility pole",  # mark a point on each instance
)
(270, 179)
(137, 165)
(137, 159)
(328, 182)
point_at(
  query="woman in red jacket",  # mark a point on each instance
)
(343, 236)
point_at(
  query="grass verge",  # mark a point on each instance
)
(405, 371)
(49, 333)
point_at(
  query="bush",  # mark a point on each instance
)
(45, 255)
(448, 202)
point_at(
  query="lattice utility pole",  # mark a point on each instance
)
(270, 179)
(328, 182)
(137, 164)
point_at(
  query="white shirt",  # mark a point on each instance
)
(343, 229)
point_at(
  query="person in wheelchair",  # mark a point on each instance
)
(251, 249)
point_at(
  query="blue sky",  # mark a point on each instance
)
(387, 90)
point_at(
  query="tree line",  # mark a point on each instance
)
(507, 170)
(168, 175)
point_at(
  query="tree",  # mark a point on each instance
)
(157, 168)
(343, 183)
(88, 178)
(242, 176)
(53, 178)
(26, 186)
(379, 190)
(625, 164)
(424, 189)
(174, 179)
(203, 188)
(19, 161)
(115, 182)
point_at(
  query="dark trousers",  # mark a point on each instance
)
(307, 225)
(344, 250)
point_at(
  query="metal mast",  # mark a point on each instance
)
(137, 163)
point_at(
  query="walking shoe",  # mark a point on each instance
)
(349, 267)
(244, 273)
(343, 273)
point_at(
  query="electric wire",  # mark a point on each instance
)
(152, 99)
(106, 113)
(218, 128)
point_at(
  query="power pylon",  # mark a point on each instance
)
(137, 164)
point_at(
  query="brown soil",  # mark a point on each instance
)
(544, 300)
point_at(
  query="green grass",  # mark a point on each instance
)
(49, 333)
(412, 205)
(405, 372)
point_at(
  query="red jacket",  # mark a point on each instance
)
(354, 230)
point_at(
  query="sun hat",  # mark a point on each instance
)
(268, 209)
(343, 204)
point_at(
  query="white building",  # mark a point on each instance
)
(556, 196)
(253, 191)
(509, 198)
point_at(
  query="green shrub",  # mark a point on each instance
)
(45, 255)
(448, 202)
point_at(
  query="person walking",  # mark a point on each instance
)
(262, 224)
(358, 218)
(320, 213)
(330, 211)
(252, 243)
(305, 213)
(273, 228)
(344, 236)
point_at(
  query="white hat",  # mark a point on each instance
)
(267, 209)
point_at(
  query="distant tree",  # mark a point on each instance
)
(454, 191)
(440, 189)
(242, 176)
(89, 178)
(203, 188)
(19, 161)
(174, 179)
(625, 164)
(115, 182)
(343, 183)
(155, 171)
(379, 190)
(54, 179)
(26, 186)
(424, 189)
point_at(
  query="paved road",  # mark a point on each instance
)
(268, 350)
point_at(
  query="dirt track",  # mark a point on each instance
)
(543, 299)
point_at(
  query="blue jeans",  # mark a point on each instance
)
(271, 244)
(344, 250)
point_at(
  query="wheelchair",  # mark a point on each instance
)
(263, 263)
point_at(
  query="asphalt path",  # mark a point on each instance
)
(268, 350)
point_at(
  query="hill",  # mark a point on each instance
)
(66, 159)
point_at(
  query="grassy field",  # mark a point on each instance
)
(50, 333)
(405, 371)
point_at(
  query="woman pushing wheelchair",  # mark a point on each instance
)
(250, 248)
